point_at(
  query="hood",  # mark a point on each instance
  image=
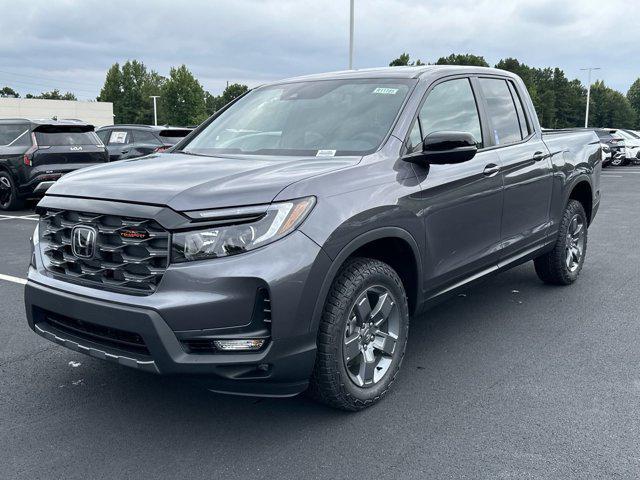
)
(190, 182)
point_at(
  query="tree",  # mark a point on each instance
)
(610, 108)
(8, 92)
(633, 95)
(53, 95)
(463, 59)
(183, 98)
(134, 75)
(403, 60)
(231, 92)
(112, 91)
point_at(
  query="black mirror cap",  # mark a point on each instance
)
(445, 147)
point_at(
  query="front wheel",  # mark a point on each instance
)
(362, 336)
(562, 265)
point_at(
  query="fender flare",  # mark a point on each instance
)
(352, 246)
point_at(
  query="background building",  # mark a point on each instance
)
(95, 113)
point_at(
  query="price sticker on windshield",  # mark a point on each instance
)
(385, 91)
(326, 153)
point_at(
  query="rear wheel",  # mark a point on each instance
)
(562, 265)
(618, 162)
(9, 199)
(362, 336)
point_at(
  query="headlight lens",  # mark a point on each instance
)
(279, 220)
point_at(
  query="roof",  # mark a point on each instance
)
(145, 127)
(398, 72)
(36, 122)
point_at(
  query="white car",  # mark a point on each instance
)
(632, 147)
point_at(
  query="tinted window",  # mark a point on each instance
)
(142, 136)
(501, 110)
(451, 106)
(119, 137)
(522, 118)
(415, 138)
(64, 137)
(103, 135)
(15, 136)
(319, 118)
(171, 137)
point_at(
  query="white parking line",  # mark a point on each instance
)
(19, 217)
(11, 278)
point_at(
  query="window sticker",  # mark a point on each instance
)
(118, 137)
(386, 91)
(326, 153)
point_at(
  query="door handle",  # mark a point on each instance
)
(490, 170)
(538, 156)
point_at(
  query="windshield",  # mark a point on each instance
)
(321, 118)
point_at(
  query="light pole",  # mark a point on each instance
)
(351, 36)
(586, 115)
(155, 110)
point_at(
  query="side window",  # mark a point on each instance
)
(119, 137)
(501, 110)
(414, 142)
(451, 105)
(15, 136)
(103, 135)
(525, 129)
(148, 138)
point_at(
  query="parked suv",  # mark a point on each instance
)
(284, 245)
(131, 141)
(35, 153)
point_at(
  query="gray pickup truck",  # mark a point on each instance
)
(284, 245)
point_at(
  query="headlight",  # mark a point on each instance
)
(35, 239)
(278, 220)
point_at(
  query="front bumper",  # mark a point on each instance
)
(207, 299)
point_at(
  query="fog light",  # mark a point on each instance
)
(235, 345)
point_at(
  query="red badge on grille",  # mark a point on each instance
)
(136, 234)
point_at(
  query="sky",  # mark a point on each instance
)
(70, 44)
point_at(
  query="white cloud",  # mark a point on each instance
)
(70, 44)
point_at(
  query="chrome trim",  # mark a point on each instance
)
(149, 366)
(224, 213)
(43, 186)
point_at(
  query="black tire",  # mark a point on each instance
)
(618, 162)
(9, 199)
(559, 266)
(332, 382)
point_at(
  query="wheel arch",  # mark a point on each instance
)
(582, 191)
(372, 244)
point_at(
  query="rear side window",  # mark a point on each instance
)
(58, 137)
(171, 137)
(15, 136)
(501, 110)
(525, 130)
(103, 135)
(451, 106)
(142, 136)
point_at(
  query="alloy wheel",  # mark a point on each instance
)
(576, 236)
(370, 336)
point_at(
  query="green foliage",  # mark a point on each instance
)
(8, 92)
(233, 91)
(183, 98)
(53, 95)
(403, 60)
(463, 59)
(633, 95)
(610, 108)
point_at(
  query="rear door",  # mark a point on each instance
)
(15, 140)
(144, 143)
(119, 143)
(527, 170)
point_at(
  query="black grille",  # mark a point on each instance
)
(131, 254)
(111, 337)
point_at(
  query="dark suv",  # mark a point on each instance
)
(131, 141)
(36, 153)
(284, 244)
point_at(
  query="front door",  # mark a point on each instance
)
(462, 203)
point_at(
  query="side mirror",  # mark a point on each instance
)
(445, 147)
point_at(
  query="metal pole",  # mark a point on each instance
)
(586, 115)
(155, 110)
(351, 36)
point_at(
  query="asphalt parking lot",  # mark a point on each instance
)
(510, 379)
